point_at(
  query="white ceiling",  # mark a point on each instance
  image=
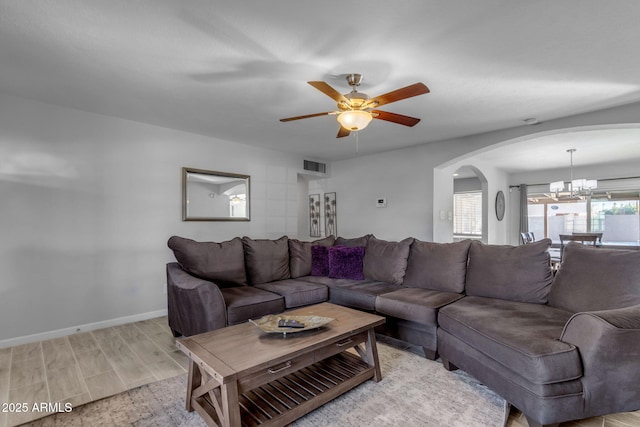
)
(593, 147)
(231, 69)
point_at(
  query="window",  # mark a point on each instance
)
(617, 216)
(613, 210)
(467, 215)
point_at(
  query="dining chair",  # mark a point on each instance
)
(528, 237)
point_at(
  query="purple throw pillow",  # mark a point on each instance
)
(346, 263)
(319, 260)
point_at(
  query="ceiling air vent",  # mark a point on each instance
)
(315, 166)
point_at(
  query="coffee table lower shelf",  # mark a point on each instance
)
(286, 399)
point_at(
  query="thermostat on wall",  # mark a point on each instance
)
(381, 202)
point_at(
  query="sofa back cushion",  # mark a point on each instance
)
(266, 260)
(515, 273)
(437, 266)
(346, 262)
(592, 279)
(222, 263)
(386, 261)
(352, 242)
(300, 259)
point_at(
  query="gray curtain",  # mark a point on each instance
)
(524, 211)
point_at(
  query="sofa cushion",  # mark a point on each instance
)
(346, 263)
(520, 336)
(222, 263)
(297, 293)
(439, 266)
(300, 258)
(333, 282)
(517, 273)
(592, 279)
(359, 294)
(319, 260)
(246, 302)
(415, 304)
(386, 261)
(266, 260)
(352, 242)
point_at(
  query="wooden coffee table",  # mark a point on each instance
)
(240, 375)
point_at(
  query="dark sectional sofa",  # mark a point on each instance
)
(559, 348)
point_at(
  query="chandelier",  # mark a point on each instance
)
(575, 187)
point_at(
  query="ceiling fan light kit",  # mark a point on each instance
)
(356, 109)
(355, 120)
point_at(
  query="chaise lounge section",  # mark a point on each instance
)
(558, 348)
(567, 351)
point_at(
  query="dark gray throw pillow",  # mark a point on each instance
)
(266, 260)
(593, 279)
(300, 255)
(386, 261)
(437, 266)
(515, 273)
(222, 263)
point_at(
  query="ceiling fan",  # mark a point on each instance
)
(356, 109)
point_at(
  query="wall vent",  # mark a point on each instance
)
(315, 166)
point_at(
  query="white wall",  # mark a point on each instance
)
(418, 182)
(89, 201)
(406, 178)
(462, 185)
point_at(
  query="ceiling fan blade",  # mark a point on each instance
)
(329, 91)
(342, 132)
(395, 118)
(288, 119)
(398, 94)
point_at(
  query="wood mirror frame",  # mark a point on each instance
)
(215, 196)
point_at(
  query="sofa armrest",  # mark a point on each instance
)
(194, 305)
(609, 346)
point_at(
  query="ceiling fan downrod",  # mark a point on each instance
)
(354, 81)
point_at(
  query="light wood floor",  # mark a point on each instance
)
(89, 366)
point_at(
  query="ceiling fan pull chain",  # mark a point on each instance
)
(357, 139)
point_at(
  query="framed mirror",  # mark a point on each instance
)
(214, 196)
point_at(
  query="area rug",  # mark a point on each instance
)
(414, 391)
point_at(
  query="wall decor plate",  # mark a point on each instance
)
(269, 323)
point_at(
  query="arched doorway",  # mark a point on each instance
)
(547, 147)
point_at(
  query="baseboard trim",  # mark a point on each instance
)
(80, 328)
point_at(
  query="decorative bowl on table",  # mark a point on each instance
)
(270, 323)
